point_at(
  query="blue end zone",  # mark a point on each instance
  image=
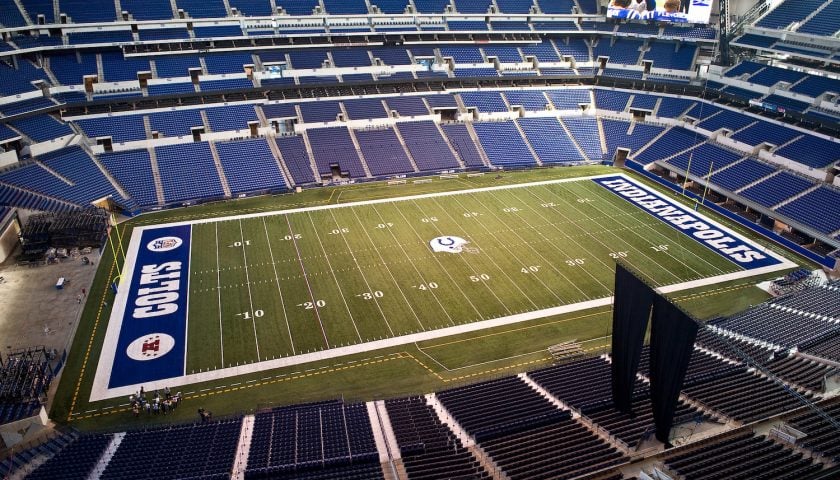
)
(152, 340)
(714, 237)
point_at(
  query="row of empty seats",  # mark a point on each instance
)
(106, 11)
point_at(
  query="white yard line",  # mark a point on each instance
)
(547, 263)
(411, 262)
(219, 290)
(376, 201)
(187, 309)
(680, 239)
(308, 285)
(388, 269)
(495, 264)
(440, 265)
(279, 290)
(100, 390)
(621, 240)
(463, 258)
(248, 283)
(590, 235)
(568, 237)
(332, 272)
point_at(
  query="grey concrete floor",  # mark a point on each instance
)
(33, 312)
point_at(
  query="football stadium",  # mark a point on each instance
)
(420, 239)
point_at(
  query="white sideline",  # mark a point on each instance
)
(100, 390)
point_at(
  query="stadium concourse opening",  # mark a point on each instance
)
(421, 201)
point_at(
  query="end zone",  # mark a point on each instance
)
(147, 332)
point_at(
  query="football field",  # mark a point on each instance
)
(290, 284)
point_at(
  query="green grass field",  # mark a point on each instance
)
(580, 220)
(281, 285)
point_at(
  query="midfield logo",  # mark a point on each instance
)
(451, 244)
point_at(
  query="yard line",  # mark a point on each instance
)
(422, 279)
(308, 286)
(437, 260)
(219, 290)
(187, 313)
(385, 264)
(332, 272)
(569, 237)
(498, 267)
(544, 260)
(248, 283)
(595, 238)
(680, 239)
(468, 264)
(279, 290)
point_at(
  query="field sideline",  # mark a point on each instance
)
(504, 238)
(285, 288)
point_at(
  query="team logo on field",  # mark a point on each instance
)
(451, 244)
(164, 244)
(150, 347)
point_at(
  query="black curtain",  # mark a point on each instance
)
(631, 310)
(671, 343)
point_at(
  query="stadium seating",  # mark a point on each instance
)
(463, 144)
(550, 141)
(427, 147)
(741, 174)
(364, 108)
(585, 132)
(810, 150)
(162, 453)
(41, 128)
(383, 152)
(309, 438)
(808, 209)
(407, 106)
(742, 455)
(503, 144)
(788, 12)
(133, 171)
(821, 438)
(124, 128)
(75, 460)
(187, 172)
(728, 119)
(776, 189)
(333, 146)
(703, 159)
(611, 100)
(586, 386)
(147, 10)
(617, 136)
(780, 327)
(231, 117)
(673, 141)
(251, 8)
(487, 102)
(249, 166)
(296, 159)
(89, 12)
